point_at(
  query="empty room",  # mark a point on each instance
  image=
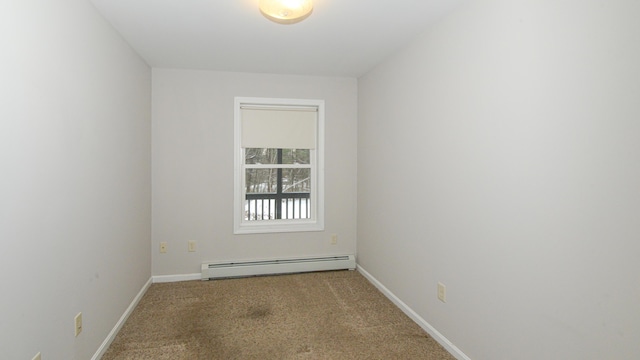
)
(447, 179)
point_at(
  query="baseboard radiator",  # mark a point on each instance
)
(230, 269)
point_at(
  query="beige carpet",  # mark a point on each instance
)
(326, 315)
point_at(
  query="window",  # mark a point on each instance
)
(278, 165)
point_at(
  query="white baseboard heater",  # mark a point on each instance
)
(229, 269)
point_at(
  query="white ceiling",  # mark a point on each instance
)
(340, 38)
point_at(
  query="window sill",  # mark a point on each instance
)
(277, 226)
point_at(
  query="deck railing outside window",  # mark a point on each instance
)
(277, 206)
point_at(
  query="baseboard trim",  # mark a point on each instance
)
(112, 335)
(457, 353)
(176, 278)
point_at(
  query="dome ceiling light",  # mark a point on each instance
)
(286, 11)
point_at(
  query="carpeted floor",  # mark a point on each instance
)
(326, 315)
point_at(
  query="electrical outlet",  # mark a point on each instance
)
(78, 321)
(334, 239)
(37, 357)
(163, 247)
(442, 292)
(192, 246)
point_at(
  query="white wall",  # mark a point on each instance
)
(75, 161)
(499, 154)
(193, 167)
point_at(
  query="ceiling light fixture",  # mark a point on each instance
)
(286, 11)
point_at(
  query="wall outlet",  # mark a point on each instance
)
(442, 292)
(163, 247)
(78, 321)
(192, 246)
(334, 239)
(37, 357)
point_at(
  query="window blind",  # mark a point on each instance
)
(278, 127)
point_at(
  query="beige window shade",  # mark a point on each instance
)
(279, 128)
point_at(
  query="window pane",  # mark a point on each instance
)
(260, 156)
(260, 181)
(295, 208)
(264, 201)
(270, 209)
(270, 156)
(260, 209)
(295, 156)
(296, 180)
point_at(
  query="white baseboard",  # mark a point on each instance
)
(176, 278)
(112, 335)
(448, 345)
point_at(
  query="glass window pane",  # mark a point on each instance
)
(261, 181)
(260, 209)
(295, 156)
(296, 180)
(260, 156)
(295, 208)
(270, 156)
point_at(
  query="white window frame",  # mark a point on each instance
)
(316, 222)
